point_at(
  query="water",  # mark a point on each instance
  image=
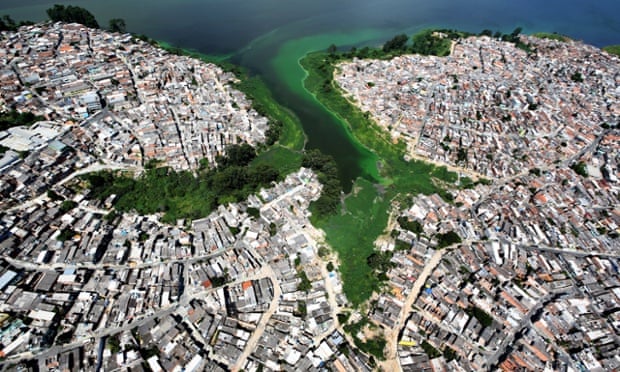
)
(269, 36)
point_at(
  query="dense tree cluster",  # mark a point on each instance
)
(118, 25)
(274, 132)
(512, 37)
(449, 238)
(13, 118)
(71, 13)
(580, 168)
(181, 194)
(397, 43)
(410, 225)
(327, 172)
(431, 42)
(8, 24)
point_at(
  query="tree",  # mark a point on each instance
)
(305, 284)
(70, 13)
(380, 261)
(577, 77)
(397, 43)
(332, 49)
(237, 155)
(118, 25)
(7, 24)
(67, 205)
(449, 238)
(430, 42)
(413, 226)
(580, 168)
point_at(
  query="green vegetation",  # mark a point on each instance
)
(285, 135)
(181, 194)
(66, 234)
(343, 317)
(612, 49)
(551, 36)
(362, 216)
(398, 43)
(380, 264)
(430, 350)
(288, 126)
(431, 42)
(253, 212)
(327, 171)
(10, 119)
(577, 77)
(117, 25)
(67, 205)
(8, 24)
(302, 309)
(114, 344)
(449, 354)
(70, 13)
(240, 173)
(53, 195)
(410, 225)
(485, 319)
(580, 168)
(373, 346)
(380, 261)
(305, 284)
(447, 239)
(514, 38)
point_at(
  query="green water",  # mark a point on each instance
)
(330, 133)
(269, 36)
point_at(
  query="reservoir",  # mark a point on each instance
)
(268, 37)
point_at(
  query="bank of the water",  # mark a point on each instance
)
(364, 215)
(327, 130)
(285, 155)
(613, 49)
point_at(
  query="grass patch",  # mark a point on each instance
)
(281, 158)
(292, 136)
(551, 36)
(352, 232)
(613, 49)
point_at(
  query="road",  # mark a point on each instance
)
(250, 346)
(89, 169)
(391, 336)
(508, 341)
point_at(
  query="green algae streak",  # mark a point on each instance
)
(286, 65)
(363, 217)
(285, 155)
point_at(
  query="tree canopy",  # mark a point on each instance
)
(71, 13)
(118, 25)
(398, 43)
(181, 194)
(327, 172)
(13, 118)
(431, 42)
